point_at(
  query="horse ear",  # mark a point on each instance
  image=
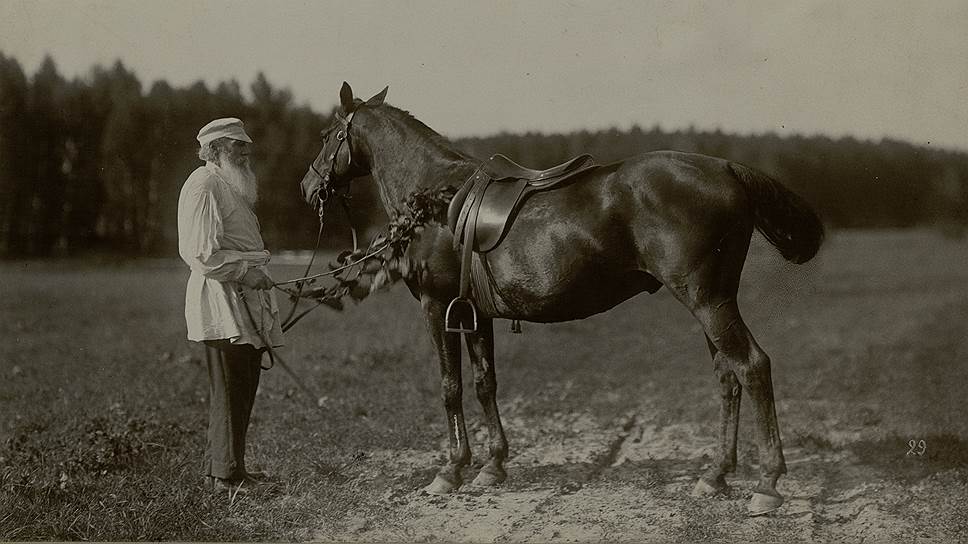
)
(346, 97)
(378, 98)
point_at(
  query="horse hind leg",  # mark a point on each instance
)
(480, 347)
(737, 350)
(713, 481)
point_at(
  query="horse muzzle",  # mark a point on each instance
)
(310, 187)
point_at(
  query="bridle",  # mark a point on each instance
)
(325, 190)
(321, 195)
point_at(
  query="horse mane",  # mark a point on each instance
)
(406, 118)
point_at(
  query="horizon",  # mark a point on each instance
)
(247, 95)
(815, 69)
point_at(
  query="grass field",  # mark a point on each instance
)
(610, 419)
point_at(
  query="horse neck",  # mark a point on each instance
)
(404, 159)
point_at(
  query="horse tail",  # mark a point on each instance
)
(781, 215)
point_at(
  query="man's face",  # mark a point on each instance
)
(237, 171)
(237, 153)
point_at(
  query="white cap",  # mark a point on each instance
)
(227, 127)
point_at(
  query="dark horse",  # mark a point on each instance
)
(661, 218)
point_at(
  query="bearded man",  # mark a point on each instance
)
(229, 305)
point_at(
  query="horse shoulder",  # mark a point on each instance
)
(435, 265)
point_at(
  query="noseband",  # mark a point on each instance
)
(324, 191)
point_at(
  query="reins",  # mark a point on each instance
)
(309, 267)
(275, 357)
(334, 271)
(290, 320)
(323, 192)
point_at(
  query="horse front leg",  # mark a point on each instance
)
(449, 477)
(480, 346)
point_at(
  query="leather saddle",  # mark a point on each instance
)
(490, 198)
(483, 210)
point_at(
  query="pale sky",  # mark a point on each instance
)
(864, 68)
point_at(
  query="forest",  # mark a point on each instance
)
(94, 165)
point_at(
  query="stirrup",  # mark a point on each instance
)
(516, 326)
(453, 323)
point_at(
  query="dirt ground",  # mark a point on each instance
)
(869, 353)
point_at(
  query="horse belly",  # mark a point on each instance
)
(577, 301)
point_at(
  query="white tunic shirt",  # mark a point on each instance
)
(219, 238)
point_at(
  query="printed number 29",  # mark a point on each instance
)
(917, 447)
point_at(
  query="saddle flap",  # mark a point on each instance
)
(488, 205)
(497, 209)
(503, 199)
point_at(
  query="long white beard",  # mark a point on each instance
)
(242, 179)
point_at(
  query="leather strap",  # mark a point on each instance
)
(481, 282)
(470, 231)
(472, 192)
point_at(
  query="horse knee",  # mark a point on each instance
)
(451, 392)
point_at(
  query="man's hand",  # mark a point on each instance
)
(256, 279)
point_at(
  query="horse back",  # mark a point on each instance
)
(620, 230)
(661, 194)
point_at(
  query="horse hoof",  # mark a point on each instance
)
(762, 503)
(489, 476)
(440, 486)
(706, 489)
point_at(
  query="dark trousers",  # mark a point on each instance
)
(233, 372)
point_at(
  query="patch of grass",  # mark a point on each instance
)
(115, 475)
(92, 476)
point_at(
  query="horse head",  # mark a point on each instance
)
(340, 160)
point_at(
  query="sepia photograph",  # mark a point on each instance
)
(484, 272)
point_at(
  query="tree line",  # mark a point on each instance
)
(96, 163)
